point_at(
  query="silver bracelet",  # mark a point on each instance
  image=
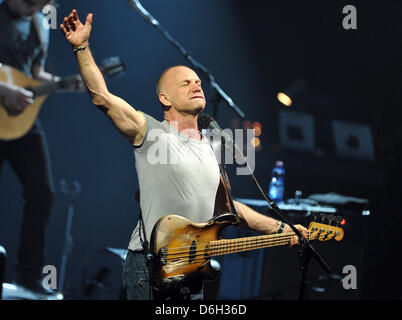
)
(79, 48)
(282, 226)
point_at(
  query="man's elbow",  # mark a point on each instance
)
(99, 100)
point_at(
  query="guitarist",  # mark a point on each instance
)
(23, 45)
(186, 186)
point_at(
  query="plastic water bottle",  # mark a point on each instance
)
(277, 184)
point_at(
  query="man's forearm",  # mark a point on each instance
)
(254, 220)
(126, 119)
(92, 77)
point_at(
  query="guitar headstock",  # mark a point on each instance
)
(324, 232)
(112, 66)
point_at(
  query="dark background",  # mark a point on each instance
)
(254, 49)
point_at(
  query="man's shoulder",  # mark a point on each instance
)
(153, 122)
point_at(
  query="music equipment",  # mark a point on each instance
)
(182, 250)
(15, 126)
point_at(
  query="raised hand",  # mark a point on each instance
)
(74, 31)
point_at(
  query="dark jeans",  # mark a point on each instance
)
(28, 157)
(136, 282)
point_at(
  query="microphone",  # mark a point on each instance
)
(144, 13)
(205, 121)
(226, 141)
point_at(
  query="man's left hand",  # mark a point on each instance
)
(295, 239)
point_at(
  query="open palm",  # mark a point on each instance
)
(75, 32)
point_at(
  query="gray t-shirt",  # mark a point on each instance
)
(176, 175)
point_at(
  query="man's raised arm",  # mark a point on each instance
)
(127, 120)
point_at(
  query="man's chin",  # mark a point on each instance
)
(198, 110)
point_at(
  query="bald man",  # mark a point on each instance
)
(188, 182)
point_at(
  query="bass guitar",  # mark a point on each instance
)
(182, 250)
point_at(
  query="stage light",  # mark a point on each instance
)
(257, 124)
(256, 142)
(284, 99)
(297, 88)
(257, 131)
(257, 128)
(342, 223)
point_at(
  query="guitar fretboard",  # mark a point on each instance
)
(226, 246)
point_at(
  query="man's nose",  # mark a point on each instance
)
(196, 87)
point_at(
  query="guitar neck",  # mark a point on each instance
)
(50, 87)
(226, 246)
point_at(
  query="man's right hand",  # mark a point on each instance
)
(74, 31)
(16, 99)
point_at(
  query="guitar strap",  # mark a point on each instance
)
(143, 237)
(223, 173)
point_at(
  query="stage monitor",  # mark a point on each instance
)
(353, 140)
(296, 130)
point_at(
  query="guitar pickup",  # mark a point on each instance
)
(163, 255)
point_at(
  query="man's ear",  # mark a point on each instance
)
(164, 100)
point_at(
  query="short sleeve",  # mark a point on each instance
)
(153, 129)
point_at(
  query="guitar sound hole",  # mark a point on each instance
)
(193, 251)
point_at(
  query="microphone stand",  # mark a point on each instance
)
(220, 94)
(306, 251)
(68, 239)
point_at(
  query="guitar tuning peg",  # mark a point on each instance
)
(314, 214)
(323, 216)
(331, 218)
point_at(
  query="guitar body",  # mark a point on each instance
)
(14, 127)
(180, 250)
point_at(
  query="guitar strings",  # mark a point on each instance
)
(201, 254)
(272, 237)
(240, 241)
(249, 244)
(252, 241)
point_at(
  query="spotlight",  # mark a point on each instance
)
(297, 87)
(256, 142)
(257, 128)
(284, 99)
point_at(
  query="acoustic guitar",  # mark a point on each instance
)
(15, 126)
(182, 250)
